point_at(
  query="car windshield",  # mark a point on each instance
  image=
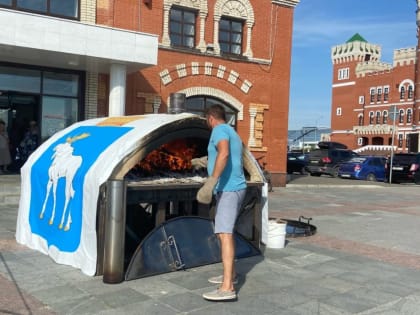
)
(404, 158)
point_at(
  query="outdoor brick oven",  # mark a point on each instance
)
(134, 209)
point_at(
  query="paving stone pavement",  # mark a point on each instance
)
(364, 259)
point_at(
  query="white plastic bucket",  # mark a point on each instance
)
(276, 237)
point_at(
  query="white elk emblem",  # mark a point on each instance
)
(64, 164)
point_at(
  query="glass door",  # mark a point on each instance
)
(18, 111)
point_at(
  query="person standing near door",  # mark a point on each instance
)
(5, 159)
(227, 180)
(29, 142)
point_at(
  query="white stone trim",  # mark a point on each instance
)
(165, 77)
(181, 69)
(194, 68)
(233, 77)
(199, 5)
(91, 95)
(221, 71)
(209, 91)
(246, 85)
(287, 3)
(88, 11)
(207, 68)
(241, 9)
(252, 116)
(344, 84)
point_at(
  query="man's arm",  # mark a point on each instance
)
(222, 158)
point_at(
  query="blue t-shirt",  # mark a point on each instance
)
(232, 178)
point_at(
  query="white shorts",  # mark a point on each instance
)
(228, 204)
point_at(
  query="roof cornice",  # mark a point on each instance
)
(288, 3)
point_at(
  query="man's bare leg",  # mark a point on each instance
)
(227, 245)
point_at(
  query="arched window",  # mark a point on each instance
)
(402, 93)
(371, 115)
(183, 24)
(410, 92)
(401, 116)
(400, 140)
(378, 118)
(199, 103)
(386, 93)
(372, 95)
(409, 115)
(232, 21)
(385, 117)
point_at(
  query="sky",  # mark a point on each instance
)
(321, 24)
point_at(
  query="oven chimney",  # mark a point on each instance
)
(176, 103)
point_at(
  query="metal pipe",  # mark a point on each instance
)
(113, 267)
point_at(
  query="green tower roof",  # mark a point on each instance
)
(356, 38)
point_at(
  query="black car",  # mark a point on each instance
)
(405, 168)
(327, 159)
(296, 163)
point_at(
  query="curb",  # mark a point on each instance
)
(331, 186)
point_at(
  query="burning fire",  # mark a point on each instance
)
(172, 156)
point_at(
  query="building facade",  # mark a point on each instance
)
(374, 106)
(107, 58)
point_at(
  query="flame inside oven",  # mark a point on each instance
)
(174, 156)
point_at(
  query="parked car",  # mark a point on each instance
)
(405, 168)
(296, 163)
(327, 158)
(371, 168)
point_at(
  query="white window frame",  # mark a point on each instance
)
(386, 93)
(343, 73)
(372, 93)
(339, 111)
(379, 94)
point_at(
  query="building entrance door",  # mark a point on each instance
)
(17, 110)
(414, 142)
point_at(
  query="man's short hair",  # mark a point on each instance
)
(217, 111)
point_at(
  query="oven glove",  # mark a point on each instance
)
(205, 193)
(198, 163)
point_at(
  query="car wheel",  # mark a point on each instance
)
(335, 172)
(303, 171)
(371, 177)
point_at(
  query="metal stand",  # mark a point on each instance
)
(113, 268)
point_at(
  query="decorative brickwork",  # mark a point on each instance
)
(405, 56)
(88, 11)
(256, 129)
(91, 95)
(195, 68)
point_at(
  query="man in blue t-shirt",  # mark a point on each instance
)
(227, 180)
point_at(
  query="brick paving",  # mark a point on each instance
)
(364, 259)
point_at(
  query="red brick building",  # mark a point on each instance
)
(368, 93)
(128, 57)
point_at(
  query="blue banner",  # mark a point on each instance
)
(57, 181)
